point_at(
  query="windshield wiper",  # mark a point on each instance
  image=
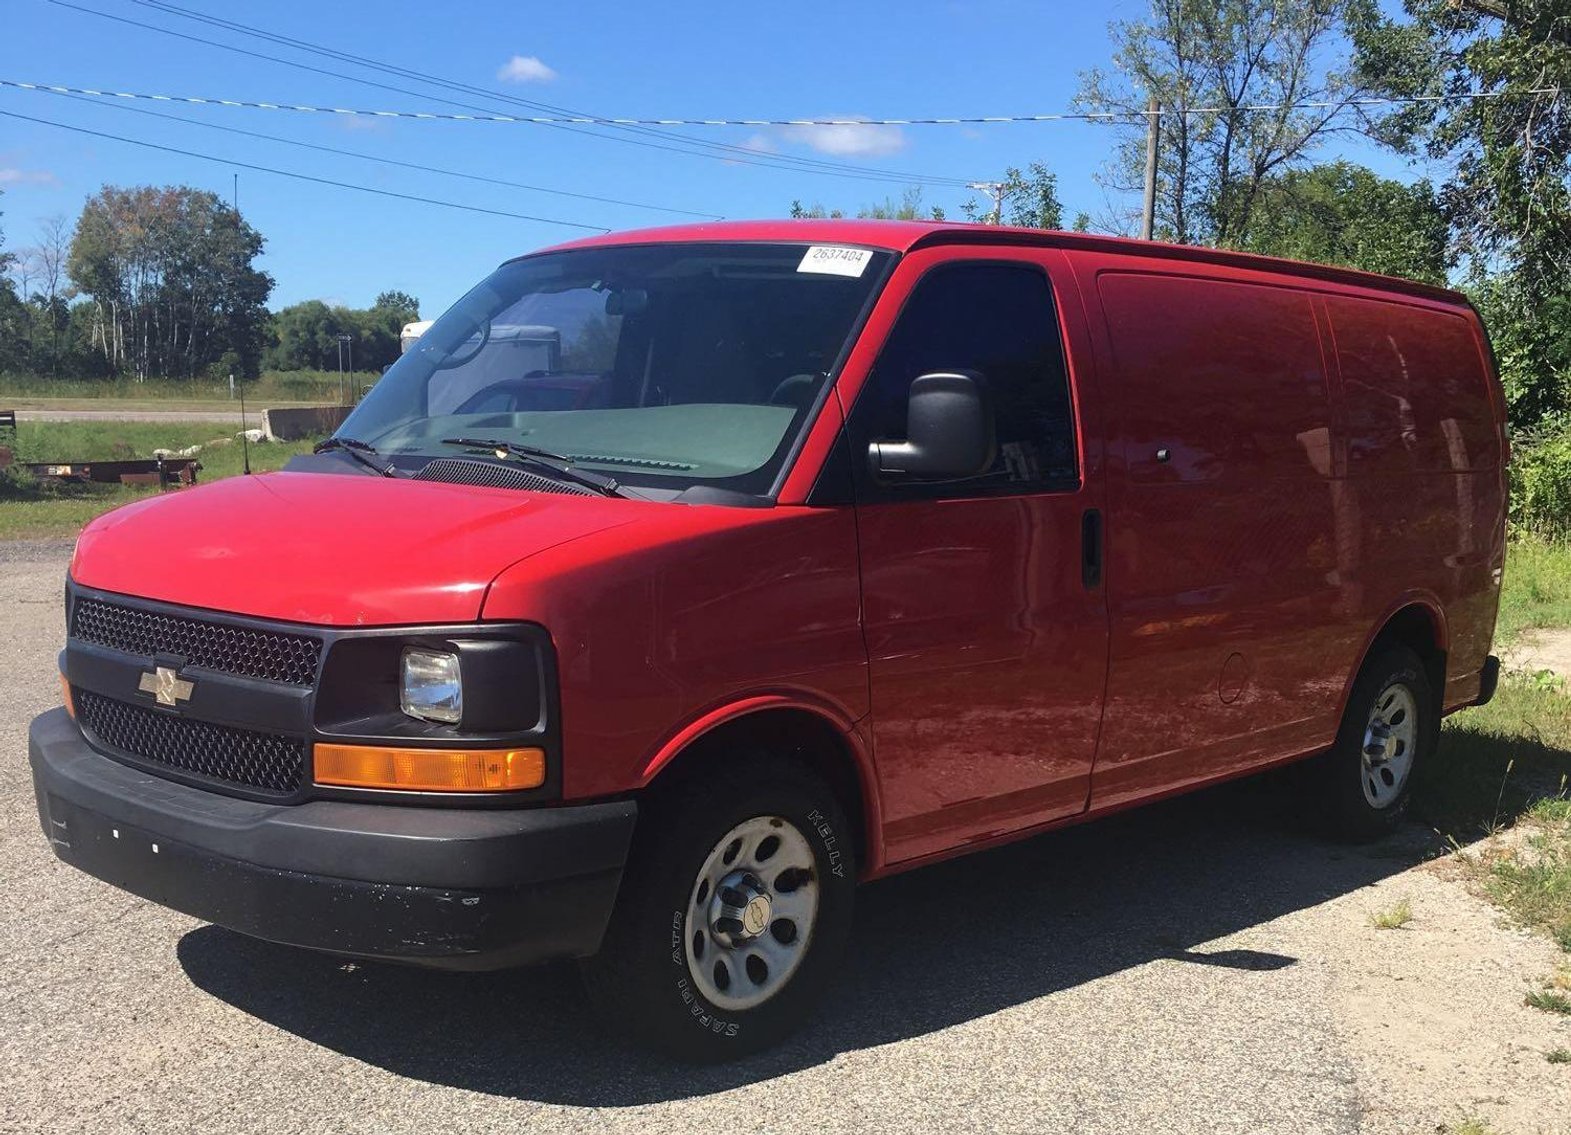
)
(360, 451)
(554, 463)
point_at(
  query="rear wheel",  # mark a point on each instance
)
(1365, 782)
(733, 914)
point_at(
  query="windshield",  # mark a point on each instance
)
(665, 366)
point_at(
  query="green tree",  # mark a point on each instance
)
(1507, 193)
(402, 302)
(305, 335)
(171, 277)
(1208, 62)
(1341, 213)
(1028, 199)
(908, 208)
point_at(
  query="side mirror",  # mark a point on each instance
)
(950, 432)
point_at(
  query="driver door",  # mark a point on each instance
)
(984, 611)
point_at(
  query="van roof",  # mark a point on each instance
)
(904, 236)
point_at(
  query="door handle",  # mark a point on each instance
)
(1091, 548)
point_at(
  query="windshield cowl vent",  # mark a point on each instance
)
(494, 474)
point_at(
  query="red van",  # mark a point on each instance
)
(857, 545)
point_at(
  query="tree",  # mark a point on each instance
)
(1509, 192)
(1208, 63)
(402, 302)
(1344, 214)
(813, 212)
(51, 301)
(908, 208)
(1508, 155)
(305, 335)
(1028, 199)
(170, 274)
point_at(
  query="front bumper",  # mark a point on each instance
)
(446, 887)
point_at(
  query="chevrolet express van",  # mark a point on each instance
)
(850, 546)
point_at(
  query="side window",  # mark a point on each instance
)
(997, 320)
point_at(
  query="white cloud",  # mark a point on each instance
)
(13, 176)
(361, 123)
(525, 69)
(849, 140)
(762, 143)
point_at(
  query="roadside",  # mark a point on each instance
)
(33, 510)
(228, 412)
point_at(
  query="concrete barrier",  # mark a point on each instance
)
(306, 421)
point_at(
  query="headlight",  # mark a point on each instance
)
(431, 687)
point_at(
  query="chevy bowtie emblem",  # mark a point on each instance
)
(166, 686)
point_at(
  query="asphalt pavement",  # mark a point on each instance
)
(1166, 971)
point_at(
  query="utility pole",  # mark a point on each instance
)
(343, 395)
(996, 190)
(1153, 136)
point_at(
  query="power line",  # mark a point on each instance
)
(629, 126)
(542, 120)
(304, 176)
(691, 147)
(384, 160)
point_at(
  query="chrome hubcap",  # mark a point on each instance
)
(1390, 737)
(751, 913)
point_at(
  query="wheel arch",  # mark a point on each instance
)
(823, 740)
(1418, 622)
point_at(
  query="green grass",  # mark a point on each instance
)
(1558, 1056)
(1549, 1000)
(1499, 762)
(32, 510)
(1537, 588)
(317, 386)
(1394, 918)
(1468, 1127)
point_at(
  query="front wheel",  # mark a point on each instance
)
(733, 914)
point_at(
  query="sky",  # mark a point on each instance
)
(906, 59)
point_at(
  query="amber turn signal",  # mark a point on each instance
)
(430, 770)
(65, 693)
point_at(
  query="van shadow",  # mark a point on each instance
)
(931, 949)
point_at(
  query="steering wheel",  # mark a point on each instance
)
(794, 390)
(458, 360)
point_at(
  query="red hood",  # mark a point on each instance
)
(332, 549)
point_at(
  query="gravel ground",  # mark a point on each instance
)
(1193, 967)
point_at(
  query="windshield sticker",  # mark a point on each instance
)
(831, 260)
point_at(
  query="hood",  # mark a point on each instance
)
(332, 549)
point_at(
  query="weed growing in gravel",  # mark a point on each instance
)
(1395, 918)
(1469, 1127)
(1558, 1056)
(1549, 1000)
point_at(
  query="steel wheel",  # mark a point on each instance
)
(751, 913)
(1390, 740)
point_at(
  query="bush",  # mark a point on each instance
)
(1541, 482)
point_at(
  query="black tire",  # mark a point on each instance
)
(642, 982)
(1336, 779)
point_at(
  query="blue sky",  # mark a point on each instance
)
(916, 58)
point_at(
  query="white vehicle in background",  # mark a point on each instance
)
(411, 332)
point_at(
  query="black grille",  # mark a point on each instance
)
(462, 471)
(265, 761)
(228, 649)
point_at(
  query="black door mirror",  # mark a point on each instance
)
(949, 432)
